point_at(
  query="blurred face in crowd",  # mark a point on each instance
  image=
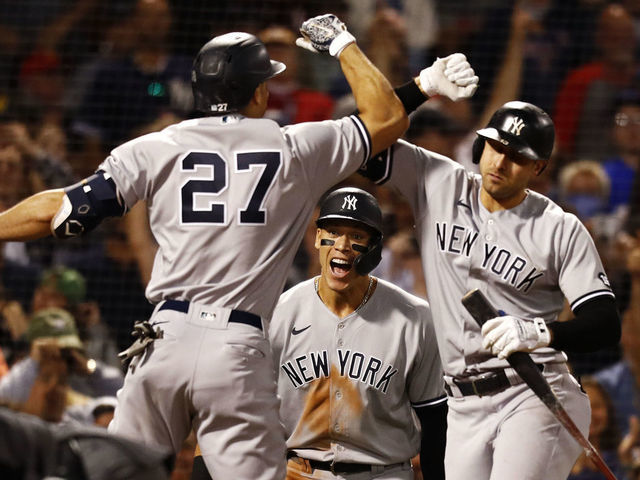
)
(152, 22)
(626, 130)
(615, 36)
(46, 296)
(630, 341)
(13, 177)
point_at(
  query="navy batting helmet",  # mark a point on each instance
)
(522, 127)
(228, 69)
(361, 207)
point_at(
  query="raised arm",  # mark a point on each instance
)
(379, 107)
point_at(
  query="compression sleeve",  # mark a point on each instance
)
(433, 422)
(596, 326)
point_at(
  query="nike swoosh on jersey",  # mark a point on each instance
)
(297, 332)
(462, 204)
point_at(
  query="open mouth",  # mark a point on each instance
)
(340, 267)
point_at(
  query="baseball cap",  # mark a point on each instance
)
(54, 323)
(67, 281)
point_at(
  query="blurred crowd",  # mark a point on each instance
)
(78, 77)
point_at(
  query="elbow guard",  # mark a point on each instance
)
(85, 204)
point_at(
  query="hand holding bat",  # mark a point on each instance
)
(481, 310)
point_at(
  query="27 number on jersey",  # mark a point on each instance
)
(217, 182)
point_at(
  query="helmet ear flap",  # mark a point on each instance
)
(476, 150)
(366, 262)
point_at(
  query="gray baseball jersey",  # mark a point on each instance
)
(526, 260)
(347, 385)
(229, 199)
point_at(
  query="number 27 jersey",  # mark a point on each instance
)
(229, 199)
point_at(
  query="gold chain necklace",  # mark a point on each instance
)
(316, 283)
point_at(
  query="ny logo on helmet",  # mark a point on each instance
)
(349, 202)
(514, 125)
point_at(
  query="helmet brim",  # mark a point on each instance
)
(510, 141)
(336, 216)
(276, 68)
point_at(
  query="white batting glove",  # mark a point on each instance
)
(325, 33)
(451, 76)
(507, 334)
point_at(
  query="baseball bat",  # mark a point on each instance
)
(481, 310)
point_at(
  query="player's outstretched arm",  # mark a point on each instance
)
(31, 218)
(379, 107)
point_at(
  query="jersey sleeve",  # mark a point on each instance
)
(425, 383)
(409, 169)
(328, 151)
(129, 168)
(582, 276)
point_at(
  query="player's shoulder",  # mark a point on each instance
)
(398, 298)
(351, 121)
(296, 294)
(541, 204)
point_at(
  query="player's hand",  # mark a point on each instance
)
(507, 334)
(451, 76)
(325, 33)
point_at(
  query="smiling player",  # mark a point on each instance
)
(356, 357)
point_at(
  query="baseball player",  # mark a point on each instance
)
(488, 231)
(356, 358)
(229, 196)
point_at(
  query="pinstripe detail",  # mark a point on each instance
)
(364, 135)
(590, 296)
(388, 161)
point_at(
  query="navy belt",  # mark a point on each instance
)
(491, 384)
(236, 316)
(338, 467)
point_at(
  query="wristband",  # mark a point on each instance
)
(340, 42)
(411, 96)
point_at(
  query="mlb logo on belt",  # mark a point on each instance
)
(208, 316)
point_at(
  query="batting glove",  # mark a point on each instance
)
(451, 76)
(325, 33)
(505, 335)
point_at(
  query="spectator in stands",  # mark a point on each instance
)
(40, 382)
(128, 94)
(584, 189)
(588, 93)
(543, 32)
(114, 286)
(289, 102)
(435, 129)
(401, 264)
(66, 288)
(629, 450)
(385, 44)
(623, 160)
(622, 380)
(97, 411)
(603, 434)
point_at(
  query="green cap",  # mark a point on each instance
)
(67, 281)
(54, 323)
